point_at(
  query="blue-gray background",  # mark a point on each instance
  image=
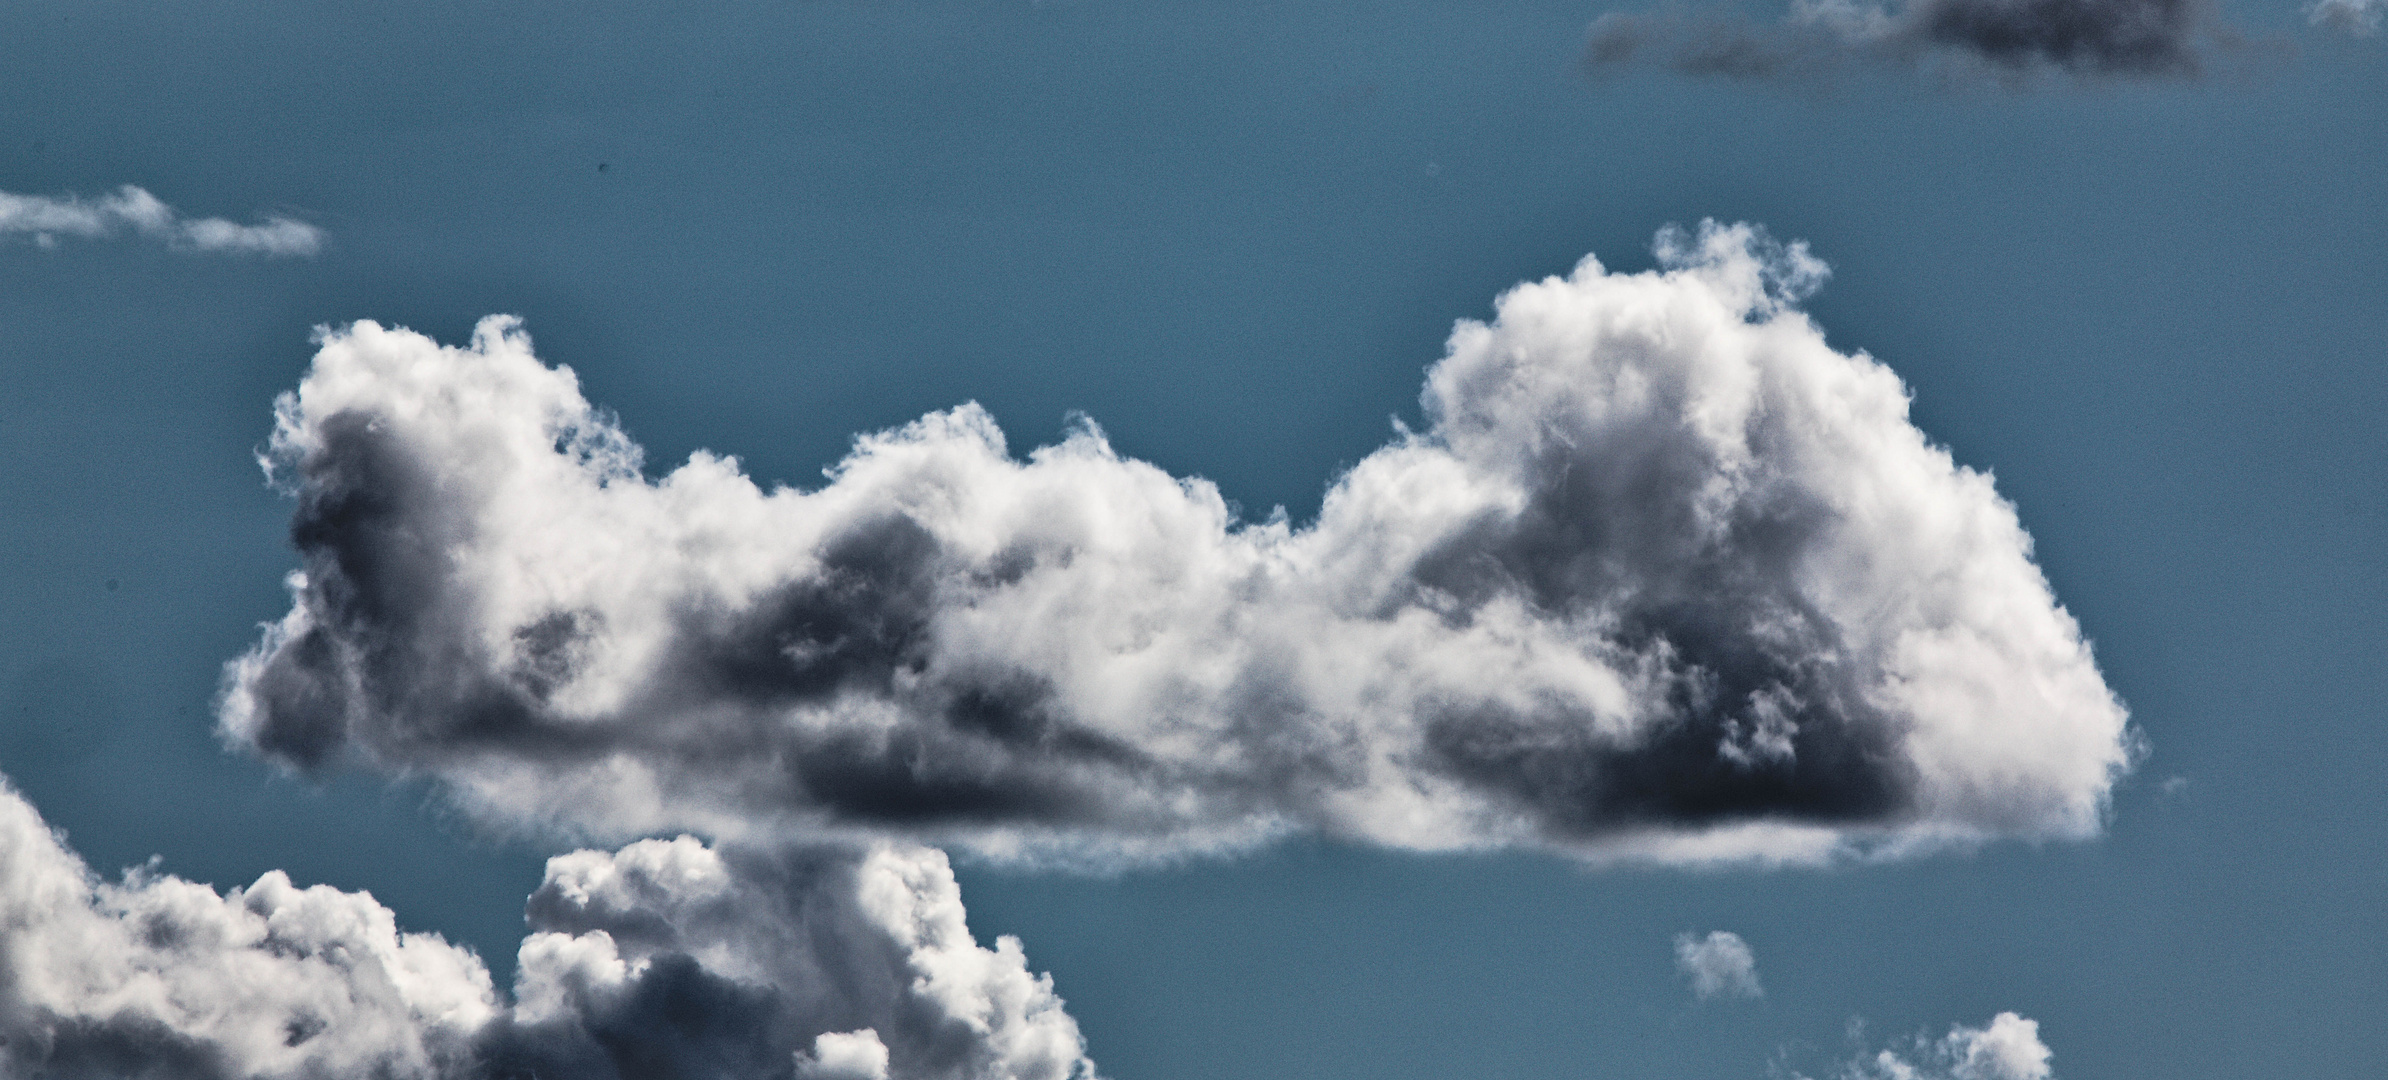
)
(1235, 233)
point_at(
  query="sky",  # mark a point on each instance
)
(1049, 539)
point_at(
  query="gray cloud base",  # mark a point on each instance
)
(664, 959)
(1667, 578)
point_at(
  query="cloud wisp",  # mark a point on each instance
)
(1718, 965)
(666, 958)
(2358, 17)
(47, 218)
(1668, 578)
(2000, 38)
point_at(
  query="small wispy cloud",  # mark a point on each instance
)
(2358, 17)
(130, 209)
(1719, 965)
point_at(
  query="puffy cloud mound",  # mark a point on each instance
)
(2130, 38)
(671, 958)
(1719, 965)
(1666, 578)
(665, 959)
(46, 218)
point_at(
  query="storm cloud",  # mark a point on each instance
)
(2125, 38)
(1666, 578)
(46, 218)
(664, 959)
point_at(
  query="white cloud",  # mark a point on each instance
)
(2358, 17)
(850, 1055)
(1718, 965)
(1667, 578)
(2008, 1049)
(47, 218)
(667, 955)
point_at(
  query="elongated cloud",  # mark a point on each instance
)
(1667, 578)
(667, 958)
(46, 218)
(1718, 965)
(2130, 38)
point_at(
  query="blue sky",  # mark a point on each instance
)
(2147, 301)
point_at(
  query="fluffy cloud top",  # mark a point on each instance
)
(45, 218)
(1719, 965)
(664, 959)
(1667, 578)
(2134, 38)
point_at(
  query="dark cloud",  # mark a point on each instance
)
(1667, 578)
(2005, 38)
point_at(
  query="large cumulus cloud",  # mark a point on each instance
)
(665, 959)
(1667, 577)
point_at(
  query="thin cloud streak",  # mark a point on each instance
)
(47, 218)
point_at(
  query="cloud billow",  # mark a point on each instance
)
(46, 218)
(667, 958)
(1666, 578)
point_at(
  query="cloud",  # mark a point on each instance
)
(2006, 38)
(2008, 1049)
(666, 958)
(46, 218)
(1719, 965)
(1667, 578)
(2358, 17)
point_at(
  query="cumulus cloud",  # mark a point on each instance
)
(666, 958)
(46, 218)
(2358, 17)
(1719, 965)
(1667, 578)
(2009, 1048)
(2131, 38)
